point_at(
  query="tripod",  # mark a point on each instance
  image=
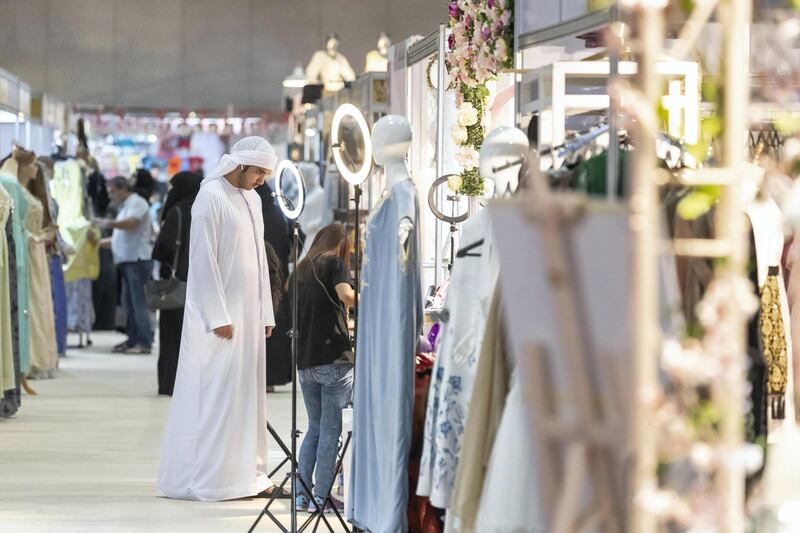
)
(291, 453)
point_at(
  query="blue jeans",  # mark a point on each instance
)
(134, 277)
(326, 391)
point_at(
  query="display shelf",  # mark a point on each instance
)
(567, 88)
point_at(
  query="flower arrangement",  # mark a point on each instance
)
(480, 44)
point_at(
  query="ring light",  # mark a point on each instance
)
(435, 208)
(291, 214)
(358, 176)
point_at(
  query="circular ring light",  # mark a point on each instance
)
(358, 176)
(435, 208)
(291, 213)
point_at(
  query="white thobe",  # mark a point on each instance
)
(215, 447)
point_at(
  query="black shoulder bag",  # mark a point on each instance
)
(169, 293)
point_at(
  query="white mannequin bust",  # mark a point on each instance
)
(330, 67)
(391, 140)
(378, 59)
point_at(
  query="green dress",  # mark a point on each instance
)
(7, 372)
(18, 218)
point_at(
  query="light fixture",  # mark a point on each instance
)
(7, 117)
(152, 138)
(294, 212)
(295, 80)
(357, 176)
(503, 151)
(310, 132)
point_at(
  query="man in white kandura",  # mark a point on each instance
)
(215, 447)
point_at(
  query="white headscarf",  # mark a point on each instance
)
(250, 151)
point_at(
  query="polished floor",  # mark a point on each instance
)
(83, 454)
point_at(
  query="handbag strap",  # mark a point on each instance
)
(178, 242)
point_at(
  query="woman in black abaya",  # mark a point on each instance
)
(177, 212)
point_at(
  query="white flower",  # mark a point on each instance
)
(454, 182)
(468, 157)
(467, 115)
(459, 134)
(500, 50)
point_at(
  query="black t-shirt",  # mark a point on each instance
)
(324, 338)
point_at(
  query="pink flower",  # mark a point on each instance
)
(486, 33)
(490, 4)
(454, 10)
(451, 41)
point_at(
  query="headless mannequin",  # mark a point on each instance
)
(767, 223)
(24, 173)
(391, 138)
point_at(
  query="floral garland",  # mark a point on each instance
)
(479, 46)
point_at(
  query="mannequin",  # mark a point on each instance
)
(8, 180)
(329, 67)
(390, 321)
(43, 351)
(378, 59)
(767, 225)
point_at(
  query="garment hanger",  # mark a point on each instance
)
(466, 250)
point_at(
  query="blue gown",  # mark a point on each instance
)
(18, 216)
(390, 321)
(59, 302)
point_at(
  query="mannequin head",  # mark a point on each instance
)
(384, 42)
(502, 146)
(332, 44)
(391, 138)
(26, 164)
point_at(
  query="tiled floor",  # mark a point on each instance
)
(83, 454)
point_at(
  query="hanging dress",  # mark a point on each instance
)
(468, 299)
(10, 399)
(390, 321)
(68, 190)
(18, 217)
(7, 370)
(43, 354)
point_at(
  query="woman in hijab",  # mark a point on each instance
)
(144, 185)
(177, 212)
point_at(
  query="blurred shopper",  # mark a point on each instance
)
(279, 345)
(161, 181)
(176, 222)
(131, 248)
(325, 355)
(143, 184)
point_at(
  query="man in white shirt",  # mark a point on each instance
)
(132, 248)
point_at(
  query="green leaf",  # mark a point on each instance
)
(696, 204)
(786, 122)
(710, 91)
(710, 127)
(699, 150)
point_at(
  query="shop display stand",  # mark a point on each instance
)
(578, 434)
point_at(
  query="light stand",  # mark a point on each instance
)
(292, 211)
(355, 176)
